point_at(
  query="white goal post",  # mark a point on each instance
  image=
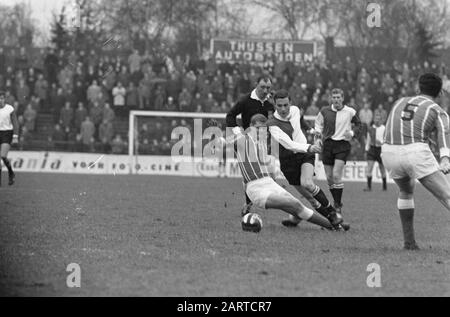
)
(133, 129)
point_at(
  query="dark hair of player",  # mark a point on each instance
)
(281, 94)
(2, 93)
(258, 118)
(264, 78)
(336, 91)
(430, 84)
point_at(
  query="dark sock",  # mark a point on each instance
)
(7, 164)
(320, 221)
(337, 195)
(333, 192)
(320, 196)
(369, 182)
(384, 184)
(407, 218)
(339, 191)
(324, 211)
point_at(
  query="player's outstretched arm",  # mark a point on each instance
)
(443, 133)
(282, 138)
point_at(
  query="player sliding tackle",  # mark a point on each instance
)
(297, 157)
(258, 167)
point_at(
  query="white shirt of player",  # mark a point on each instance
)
(342, 124)
(298, 143)
(379, 137)
(379, 134)
(5, 118)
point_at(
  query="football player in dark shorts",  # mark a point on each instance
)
(334, 126)
(9, 130)
(374, 142)
(297, 157)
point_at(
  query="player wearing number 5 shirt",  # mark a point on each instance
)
(407, 155)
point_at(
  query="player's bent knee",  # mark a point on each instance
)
(308, 184)
(293, 205)
(330, 180)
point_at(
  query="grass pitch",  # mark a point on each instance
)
(170, 236)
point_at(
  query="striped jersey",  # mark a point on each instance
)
(252, 153)
(414, 119)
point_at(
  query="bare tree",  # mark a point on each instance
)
(327, 18)
(297, 15)
(16, 25)
(186, 24)
(400, 20)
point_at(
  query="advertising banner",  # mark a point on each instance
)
(98, 164)
(262, 51)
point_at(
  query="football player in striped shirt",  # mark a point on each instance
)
(407, 155)
(336, 125)
(374, 141)
(256, 102)
(9, 131)
(258, 171)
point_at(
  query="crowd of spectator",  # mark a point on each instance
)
(87, 93)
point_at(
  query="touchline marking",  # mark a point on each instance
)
(98, 160)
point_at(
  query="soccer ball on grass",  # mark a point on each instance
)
(252, 222)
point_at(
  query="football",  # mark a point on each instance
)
(252, 222)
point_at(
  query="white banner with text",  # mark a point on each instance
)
(98, 164)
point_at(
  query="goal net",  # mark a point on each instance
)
(151, 131)
(182, 144)
(187, 139)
